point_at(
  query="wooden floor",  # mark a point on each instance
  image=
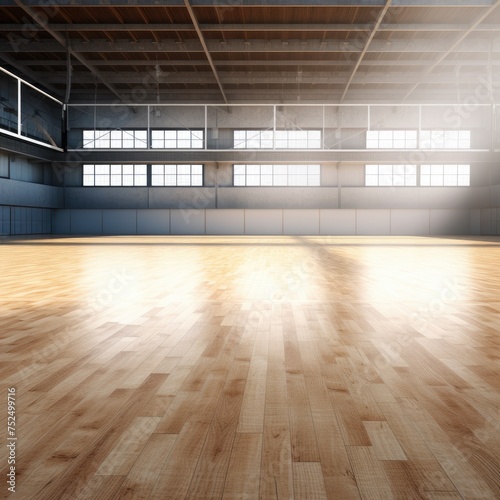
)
(252, 367)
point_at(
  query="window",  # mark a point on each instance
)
(177, 175)
(390, 175)
(177, 139)
(115, 139)
(298, 139)
(445, 175)
(115, 175)
(276, 175)
(391, 139)
(285, 139)
(445, 139)
(253, 139)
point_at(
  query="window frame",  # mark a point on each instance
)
(114, 171)
(173, 137)
(379, 171)
(444, 172)
(275, 175)
(114, 136)
(374, 139)
(155, 176)
(443, 139)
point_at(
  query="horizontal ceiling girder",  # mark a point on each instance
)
(268, 77)
(266, 62)
(256, 46)
(252, 3)
(159, 28)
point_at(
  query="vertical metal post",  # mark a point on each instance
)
(19, 113)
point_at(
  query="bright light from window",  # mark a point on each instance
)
(445, 175)
(177, 175)
(391, 139)
(276, 175)
(391, 175)
(115, 175)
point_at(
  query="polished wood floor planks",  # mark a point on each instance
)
(252, 367)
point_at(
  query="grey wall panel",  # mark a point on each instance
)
(410, 222)
(4, 164)
(119, 221)
(178, 117)
(278, 197)
(449, 197)
(478, 197)
(241, 117)
(486, 221)
(353, 116)
(225, 222)
(494, 174)
(494, 196)
(264, 221)
(300, 117)
(181, 198)
(187, 221)
(480, 174)
(106, 197)
(475, 221)
(338, 222)
(329, 175)
(449, 222)
(30, 195)
(86, 222)
(373, 222)
(153, 221)
(394, 117)
(380, 197)
(61, 223)
(301, 222)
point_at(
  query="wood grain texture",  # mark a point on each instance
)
(252, 367)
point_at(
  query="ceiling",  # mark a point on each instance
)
(239, 51)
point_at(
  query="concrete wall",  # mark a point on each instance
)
(424, 222)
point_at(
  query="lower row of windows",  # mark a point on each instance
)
(272, 175)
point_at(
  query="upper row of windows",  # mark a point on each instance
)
(269, 139)
(272, 175)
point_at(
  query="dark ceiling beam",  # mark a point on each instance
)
(454, 46)
(277, 95)
(131, 27)
(365, 48)
(64, 44)
(253, 3)
(291, 62)
(246, 78)
(258, 46)
(205, 47)
(23, 70)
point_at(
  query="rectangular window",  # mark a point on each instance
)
(298, 139)
(391, 139)
(253, 139)
(285, 139)
(115, 175)
(390, 175)
(276, 175)
(177, 139)
(445, 175)
(445, 139)
(115, 139)
(177, 175)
